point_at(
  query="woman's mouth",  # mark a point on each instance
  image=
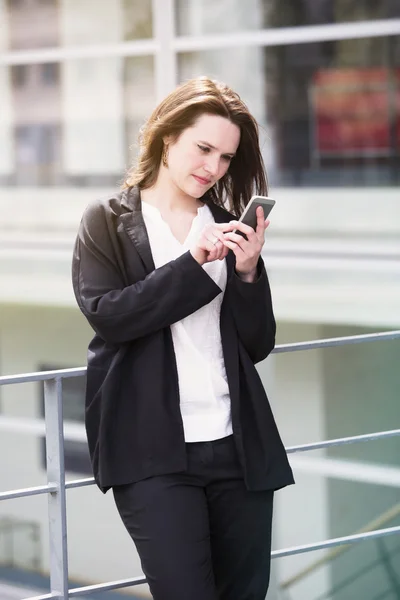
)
(201, 180)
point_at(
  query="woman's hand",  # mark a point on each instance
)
(247, 251)
(210, 246)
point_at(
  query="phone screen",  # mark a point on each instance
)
(249, 216)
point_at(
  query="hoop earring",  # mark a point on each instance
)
(164, 156)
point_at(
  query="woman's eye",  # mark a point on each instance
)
(203, 148)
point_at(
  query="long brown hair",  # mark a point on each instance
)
(178, 111)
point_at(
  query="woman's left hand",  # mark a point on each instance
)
(247, 251)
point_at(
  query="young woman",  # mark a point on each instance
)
(178, 422)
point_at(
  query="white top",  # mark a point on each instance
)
(203, 386)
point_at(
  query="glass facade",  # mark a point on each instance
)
(329, 110)
(198, 17)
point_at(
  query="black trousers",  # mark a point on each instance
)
(201, 535)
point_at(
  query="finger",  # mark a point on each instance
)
(238, 239)
(222, 226)
(249, 249)
(246, 229)
(219, 247)
(209, 247)
(260, 227)
(215, 235)
(231, 245)
(260, 234)
(212, 256)
(225, 252)
(236, 249)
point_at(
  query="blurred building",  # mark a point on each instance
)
(77, 80)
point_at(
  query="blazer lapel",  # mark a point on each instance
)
(135, 227)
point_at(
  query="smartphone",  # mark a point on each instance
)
(249, 217)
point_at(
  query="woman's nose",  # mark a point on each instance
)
(212, 165)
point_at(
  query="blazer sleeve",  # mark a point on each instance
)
(121, 313)
(253, 314)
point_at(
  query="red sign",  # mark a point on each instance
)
(354, 110)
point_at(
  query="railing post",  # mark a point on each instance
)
(57, 499)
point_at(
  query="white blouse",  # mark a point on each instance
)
(203, 386)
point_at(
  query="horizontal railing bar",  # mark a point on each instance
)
(350, 539)
(33, 491)
(384, 518)
(354, 577)
(341, 441)
(340, 341)
(310, 345)
(42, 376)
(102, 587)
(346, 470)
(76, 432)
(44, 597)
(76, 483)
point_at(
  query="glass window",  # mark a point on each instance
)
(137, 19)
(329, 111)
(19, 75)
(50, 73)
(77, 122)
(32, 24)
(92, 22)
(49, 23)
(197, 17)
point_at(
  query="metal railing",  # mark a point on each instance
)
(371, 526)
(56, 485)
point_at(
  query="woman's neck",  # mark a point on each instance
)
(166, 196)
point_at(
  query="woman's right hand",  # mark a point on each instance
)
(210, 246)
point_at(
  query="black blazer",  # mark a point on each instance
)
(133, 419)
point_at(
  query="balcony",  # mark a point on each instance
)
(56, 430)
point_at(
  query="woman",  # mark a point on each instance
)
(177, 419)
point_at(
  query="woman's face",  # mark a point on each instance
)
(202, 154)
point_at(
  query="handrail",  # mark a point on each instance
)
(279, 349)
(53, 427)
(376, 523)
